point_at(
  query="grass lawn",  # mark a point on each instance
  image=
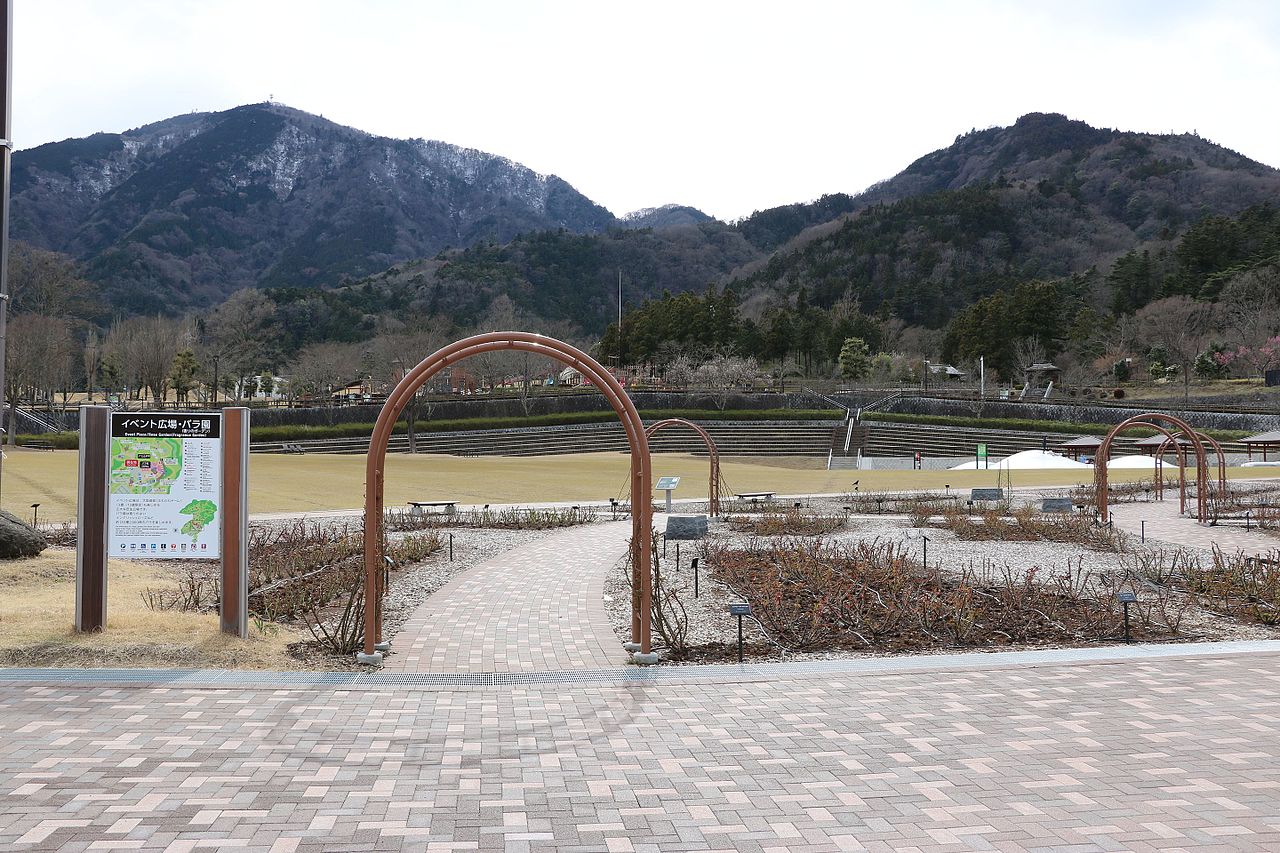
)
(289, 483)
(37, 612)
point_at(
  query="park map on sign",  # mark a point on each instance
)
(145, 466)
(152, 466)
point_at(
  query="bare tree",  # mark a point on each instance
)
(91, 359)
(244, 335)
(394, 355)
(145, 347)
(1250, 305)
(1178, 324)
(723, 375)
(39, 355)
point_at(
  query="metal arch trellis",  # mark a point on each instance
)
(605, 382)
(1154, 420)
(713, 488)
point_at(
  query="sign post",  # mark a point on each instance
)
(981, 461)
(668, 485)
(740, 609)
(163, 485)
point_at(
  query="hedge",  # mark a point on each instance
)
(1028, 425)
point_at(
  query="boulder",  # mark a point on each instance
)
(686, 526)
(19, 539)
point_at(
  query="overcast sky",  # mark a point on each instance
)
(727, 106)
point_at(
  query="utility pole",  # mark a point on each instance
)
(6, 153)
(619, 321)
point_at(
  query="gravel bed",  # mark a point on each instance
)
(710, 624)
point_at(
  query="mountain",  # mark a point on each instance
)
(181, 213)
(667, 216)
(1046, 198)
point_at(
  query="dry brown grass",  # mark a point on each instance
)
(314, 482)
(37, 609)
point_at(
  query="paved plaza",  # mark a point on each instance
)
(504, 722)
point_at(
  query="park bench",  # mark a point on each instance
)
(754, 496)
(419, 507)
(38, 445)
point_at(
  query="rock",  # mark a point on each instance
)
(686, 526)
(19, 539)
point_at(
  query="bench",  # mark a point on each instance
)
(38, 445)
(1057, 505)
(418, 507)
(754, 496)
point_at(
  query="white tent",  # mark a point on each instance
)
(1028, 460)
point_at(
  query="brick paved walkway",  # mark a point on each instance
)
(1165, 525)
(537, 607)
(1152, 755)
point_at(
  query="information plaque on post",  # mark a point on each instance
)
(165, 483)
(162, 485)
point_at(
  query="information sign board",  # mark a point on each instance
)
(665, 483)
(164, 484)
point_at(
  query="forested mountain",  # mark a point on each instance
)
(667, 216)
(1046, 198)
(1048, 231)
(181, 213)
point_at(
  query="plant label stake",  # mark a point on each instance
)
(740, 609)
(677, 556)
(35, 515)
(1247, 513)
(1127, 598)
(1144, 530)
(450, 547)
(694, 564)
(925, 558)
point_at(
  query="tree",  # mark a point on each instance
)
(1177, 324)
(182, 374)
(145, 348)
(722, 375)
(91, 358)
(855, 358)
(244, 334)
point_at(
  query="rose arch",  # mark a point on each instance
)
(713, 488)
(641, 474)
(1180, 429)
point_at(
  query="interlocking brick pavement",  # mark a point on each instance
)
(1160, 754)
(539, 606)
(1166, 525)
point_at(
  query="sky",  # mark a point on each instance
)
(730, 107)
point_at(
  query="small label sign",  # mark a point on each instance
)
(740, 609)
(1127, 598)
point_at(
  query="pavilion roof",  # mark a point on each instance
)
(1272, 437)
(1083, 441)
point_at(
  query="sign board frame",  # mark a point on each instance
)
(94, 506)
(666, 484)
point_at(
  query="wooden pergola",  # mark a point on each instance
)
(1084, 445)
(1157, 445)
(1263, 441)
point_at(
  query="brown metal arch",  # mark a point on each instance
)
(1180, 451)
(641, 474)
(1151, 419)
(713, 488)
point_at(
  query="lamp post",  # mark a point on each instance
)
(215, 381)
